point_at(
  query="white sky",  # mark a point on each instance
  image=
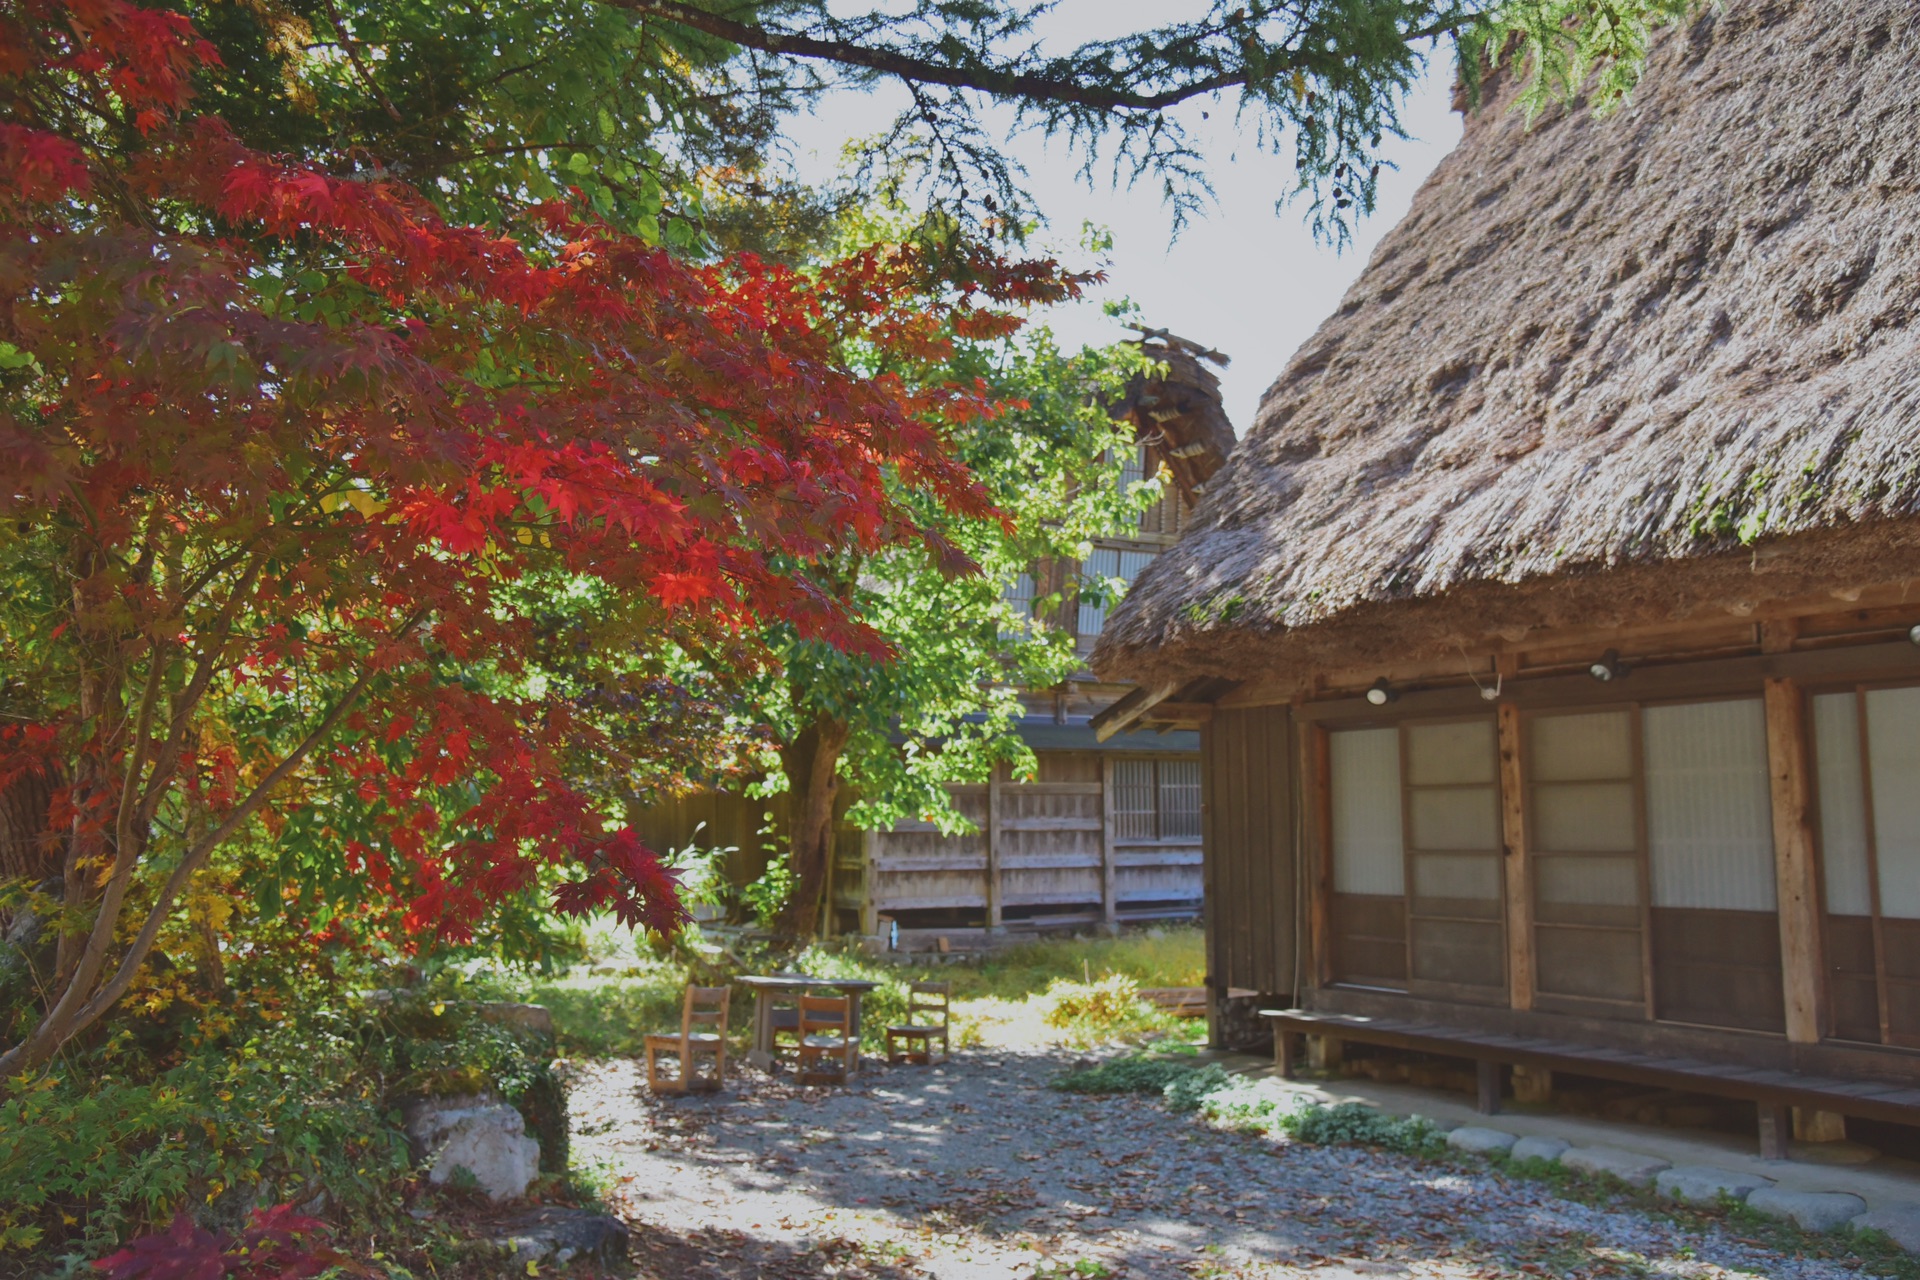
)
(1243, 278)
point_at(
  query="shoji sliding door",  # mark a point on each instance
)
(1589, 862)
(1368, 915)
(1716, 925)
(1867, 755)
(1417, 900)
(1456, 932)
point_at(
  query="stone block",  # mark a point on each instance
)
(558, 1236)
(1704, 1184)
(1813, 1210)
(1630, 1167)
(1480, 1142)
(1539, 1148)
(487, 1139)
(1898, 1222)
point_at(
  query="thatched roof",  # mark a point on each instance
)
(1180, 411)
(1618, 370)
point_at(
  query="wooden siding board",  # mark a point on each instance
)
(1247, 866)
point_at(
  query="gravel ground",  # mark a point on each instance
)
(977, 1169)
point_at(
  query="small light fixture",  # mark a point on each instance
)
(1913, 633)
(1609, 667)
(1381, 693)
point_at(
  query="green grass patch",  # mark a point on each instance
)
(1075, 991)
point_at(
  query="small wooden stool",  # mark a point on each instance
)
(704, 1006)
(927, 1007)
(826, 1049)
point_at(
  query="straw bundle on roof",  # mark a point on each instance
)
(1620, 370)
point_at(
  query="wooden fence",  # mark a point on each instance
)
(1044, 853)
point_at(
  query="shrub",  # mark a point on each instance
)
(1125, 1075)
(1356, 1124)
(1188, 1090)
(1102, 1007)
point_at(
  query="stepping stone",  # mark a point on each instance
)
(1480, 1142)
(1704, 1184)
(1630, 1167)
(1898, 1222)
(1539, 1148)
(1813, 1210)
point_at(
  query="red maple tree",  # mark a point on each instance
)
(289, 464)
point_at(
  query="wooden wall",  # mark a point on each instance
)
(1043, 852)
(1249, 823)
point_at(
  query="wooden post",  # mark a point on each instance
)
(1486, 1078)
(1773, 1131)
(1519, 874)
(1286, 1049)
(1319, 879)
(1109, 901)
(869, 909)
(1795, 865)
(1326, 1053)
(994, 887)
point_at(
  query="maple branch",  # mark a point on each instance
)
(76, 1009)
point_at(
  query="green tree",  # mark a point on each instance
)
(655, 107)
(942, 707)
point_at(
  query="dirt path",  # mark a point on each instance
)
(977, 1169)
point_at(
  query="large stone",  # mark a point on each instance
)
(1548, 1149)
(1704, 1184)
(1813, 1210)
(1900, 1223)
(1480, 1142)
(1630, 1167)
(559, 1236)
(533, 1019)
(487, 1139)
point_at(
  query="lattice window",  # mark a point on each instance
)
(1134, 800)
(1108, 562)
(1180, 798)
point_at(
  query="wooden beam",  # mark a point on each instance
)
(995, 890)
(1821, 618)
(1319, 880)
(1194, 713)
(1795, 865)
(1519, 877)
(1107, 890)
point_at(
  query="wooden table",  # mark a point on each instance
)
(770, 987)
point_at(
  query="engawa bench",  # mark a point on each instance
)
(1772, 1091)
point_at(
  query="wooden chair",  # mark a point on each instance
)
(927, 1004)
(704, 1006)
(826, 1050)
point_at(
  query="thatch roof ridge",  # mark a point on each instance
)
(1680, 334)
(1178, 407)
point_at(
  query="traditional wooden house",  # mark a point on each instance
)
(1555, 631)
(1108, 832)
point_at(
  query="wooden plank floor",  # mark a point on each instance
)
(1867, 1099)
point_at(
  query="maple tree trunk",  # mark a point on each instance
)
(812, 762)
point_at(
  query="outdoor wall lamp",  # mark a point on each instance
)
(1381, 693)
(1913, 633)
(1609, 667)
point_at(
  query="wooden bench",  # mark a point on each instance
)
(1181, 1002)
(1771, 1091)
